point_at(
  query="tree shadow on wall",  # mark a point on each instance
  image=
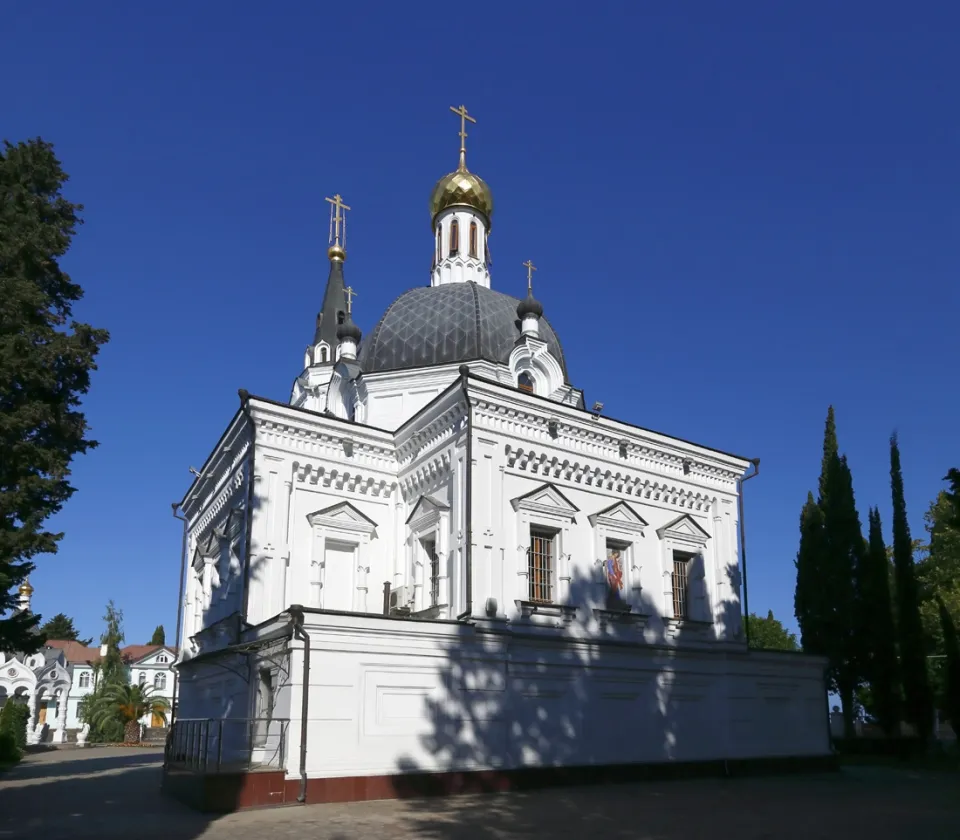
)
(560, 708)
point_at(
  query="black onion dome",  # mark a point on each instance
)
(455, 322)
(529, 306)
(348, 329)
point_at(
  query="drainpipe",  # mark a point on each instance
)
(743, 545)
(245, 407)
(183, 567)
(468, 556)
(296, 612)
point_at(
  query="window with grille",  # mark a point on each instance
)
(681, 585)
(473, 239)
(430, 549)
(541, 566)
(85, 680)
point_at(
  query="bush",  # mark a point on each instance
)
(902, 747)
(9, 753)
(13, 722)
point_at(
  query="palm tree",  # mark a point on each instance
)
(127, 704)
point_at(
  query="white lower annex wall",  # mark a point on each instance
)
(392, 697)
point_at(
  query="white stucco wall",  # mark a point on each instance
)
(390, 696)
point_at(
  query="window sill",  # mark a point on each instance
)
(435, 611)
(529, 609)
(623, 615)
(687, 628)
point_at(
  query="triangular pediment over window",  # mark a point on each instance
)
(620, 515)
(546, 499)
(684, 529)
(425, 506)
(343, 516)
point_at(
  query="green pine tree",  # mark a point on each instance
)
(45, 364)
(61, 627)
(877, 631)
(159, 636)
(917, 696)
(112, 667)
(952, 682)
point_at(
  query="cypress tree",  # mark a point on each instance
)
(951, 648)
(844, 553)
(831, 555)
(918, 700)
(877, 631)
(808, 603)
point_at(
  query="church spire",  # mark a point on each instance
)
(334, 310)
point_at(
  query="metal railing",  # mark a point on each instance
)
(223, 745)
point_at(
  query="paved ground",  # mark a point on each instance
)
(114, 793)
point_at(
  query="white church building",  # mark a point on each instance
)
(435, 569)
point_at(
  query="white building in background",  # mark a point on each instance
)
(54, 680)
(486, 575)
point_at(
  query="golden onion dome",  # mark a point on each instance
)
(462, 188)
(26, 588)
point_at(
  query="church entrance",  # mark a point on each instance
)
(42, 714)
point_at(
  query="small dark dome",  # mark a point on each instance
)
(455, 322)
(530, 306)
(348, 329)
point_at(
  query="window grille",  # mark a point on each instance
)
(430, 547)
(681, 585)
(454, 237)
(541, 567)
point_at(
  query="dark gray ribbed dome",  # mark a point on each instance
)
(455, 322)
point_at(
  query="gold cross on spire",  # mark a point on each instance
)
(530, 269)
(337, 219)
(350, 293)
(464, 117)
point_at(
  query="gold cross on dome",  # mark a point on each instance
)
(464, 117)
(337, 219)
(350, 293)
(530, 269)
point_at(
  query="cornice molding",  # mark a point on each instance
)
(535, 462)
(350, 480)
(502, 411)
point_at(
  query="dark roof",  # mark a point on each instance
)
(455, 322)
(334, 302)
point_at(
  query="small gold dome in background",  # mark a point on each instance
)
(462, 188)
(336, 252)
(26, 588)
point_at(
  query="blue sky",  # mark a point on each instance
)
(740, 214)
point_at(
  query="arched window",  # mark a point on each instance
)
(525, 382)
(340, 317)
(160, 681)
(85, 679)
(454, 237)
(323, 354)
(439, 245)
(142, 678)
(473, 239)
